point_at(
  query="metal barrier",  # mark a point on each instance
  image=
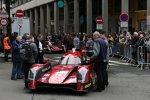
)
(126, 53)
(143, 56)
(137, 56)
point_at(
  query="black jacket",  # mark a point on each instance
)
(37, 44)
(16, 51)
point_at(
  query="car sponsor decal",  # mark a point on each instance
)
(46, 75)
(43, 79)
(87, 85)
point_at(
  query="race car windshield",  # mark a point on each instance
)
(70, 60)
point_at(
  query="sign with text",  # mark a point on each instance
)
(124, 24)
(99, 26)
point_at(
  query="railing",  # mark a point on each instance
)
(138, 56)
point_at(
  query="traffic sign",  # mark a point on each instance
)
(3, 13)
(124, 24)
(124, 17)
(99, 26)
(3, 22)
(19, 13)
(99, 20)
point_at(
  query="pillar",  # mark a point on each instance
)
(148, 15)
(65, 16)
(42, 20)
(89, 16)
(48, 24)
(105, 15)
(76, 16)
(31, 22)
(36, 21)
(56, 18)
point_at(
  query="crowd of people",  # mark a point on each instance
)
(21, 66)
(127, 44)
(102, 46)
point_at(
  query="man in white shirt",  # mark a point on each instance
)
(40, 46)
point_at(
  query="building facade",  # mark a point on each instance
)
(80, 15)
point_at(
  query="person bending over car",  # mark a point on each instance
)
(98, 57)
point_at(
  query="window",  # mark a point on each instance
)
(118, 6)
(142, 4)
(70, 60)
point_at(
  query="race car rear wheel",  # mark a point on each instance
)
(94, 81)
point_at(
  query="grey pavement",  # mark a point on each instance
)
(126, 83)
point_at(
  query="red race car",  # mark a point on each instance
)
(49, 47)
(72, 72)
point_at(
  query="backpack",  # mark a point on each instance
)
(25, 51)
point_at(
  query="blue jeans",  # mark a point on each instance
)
(16, 70)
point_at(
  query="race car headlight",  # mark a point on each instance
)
(79, 77)
(31, 75)
(82, 74)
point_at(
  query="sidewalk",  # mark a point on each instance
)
(2, 57)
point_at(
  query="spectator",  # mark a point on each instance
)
(66, 41)
(40, 45)
(99, 55)
(134, 41)
(70, 41)
(16, 59)
(110, 44)
(76, 42)
(147, 34)
(1, 44)
(106, 61)
(147, 49)
(15, 35)
(7, 47)
(89, 43)
(27, 64)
